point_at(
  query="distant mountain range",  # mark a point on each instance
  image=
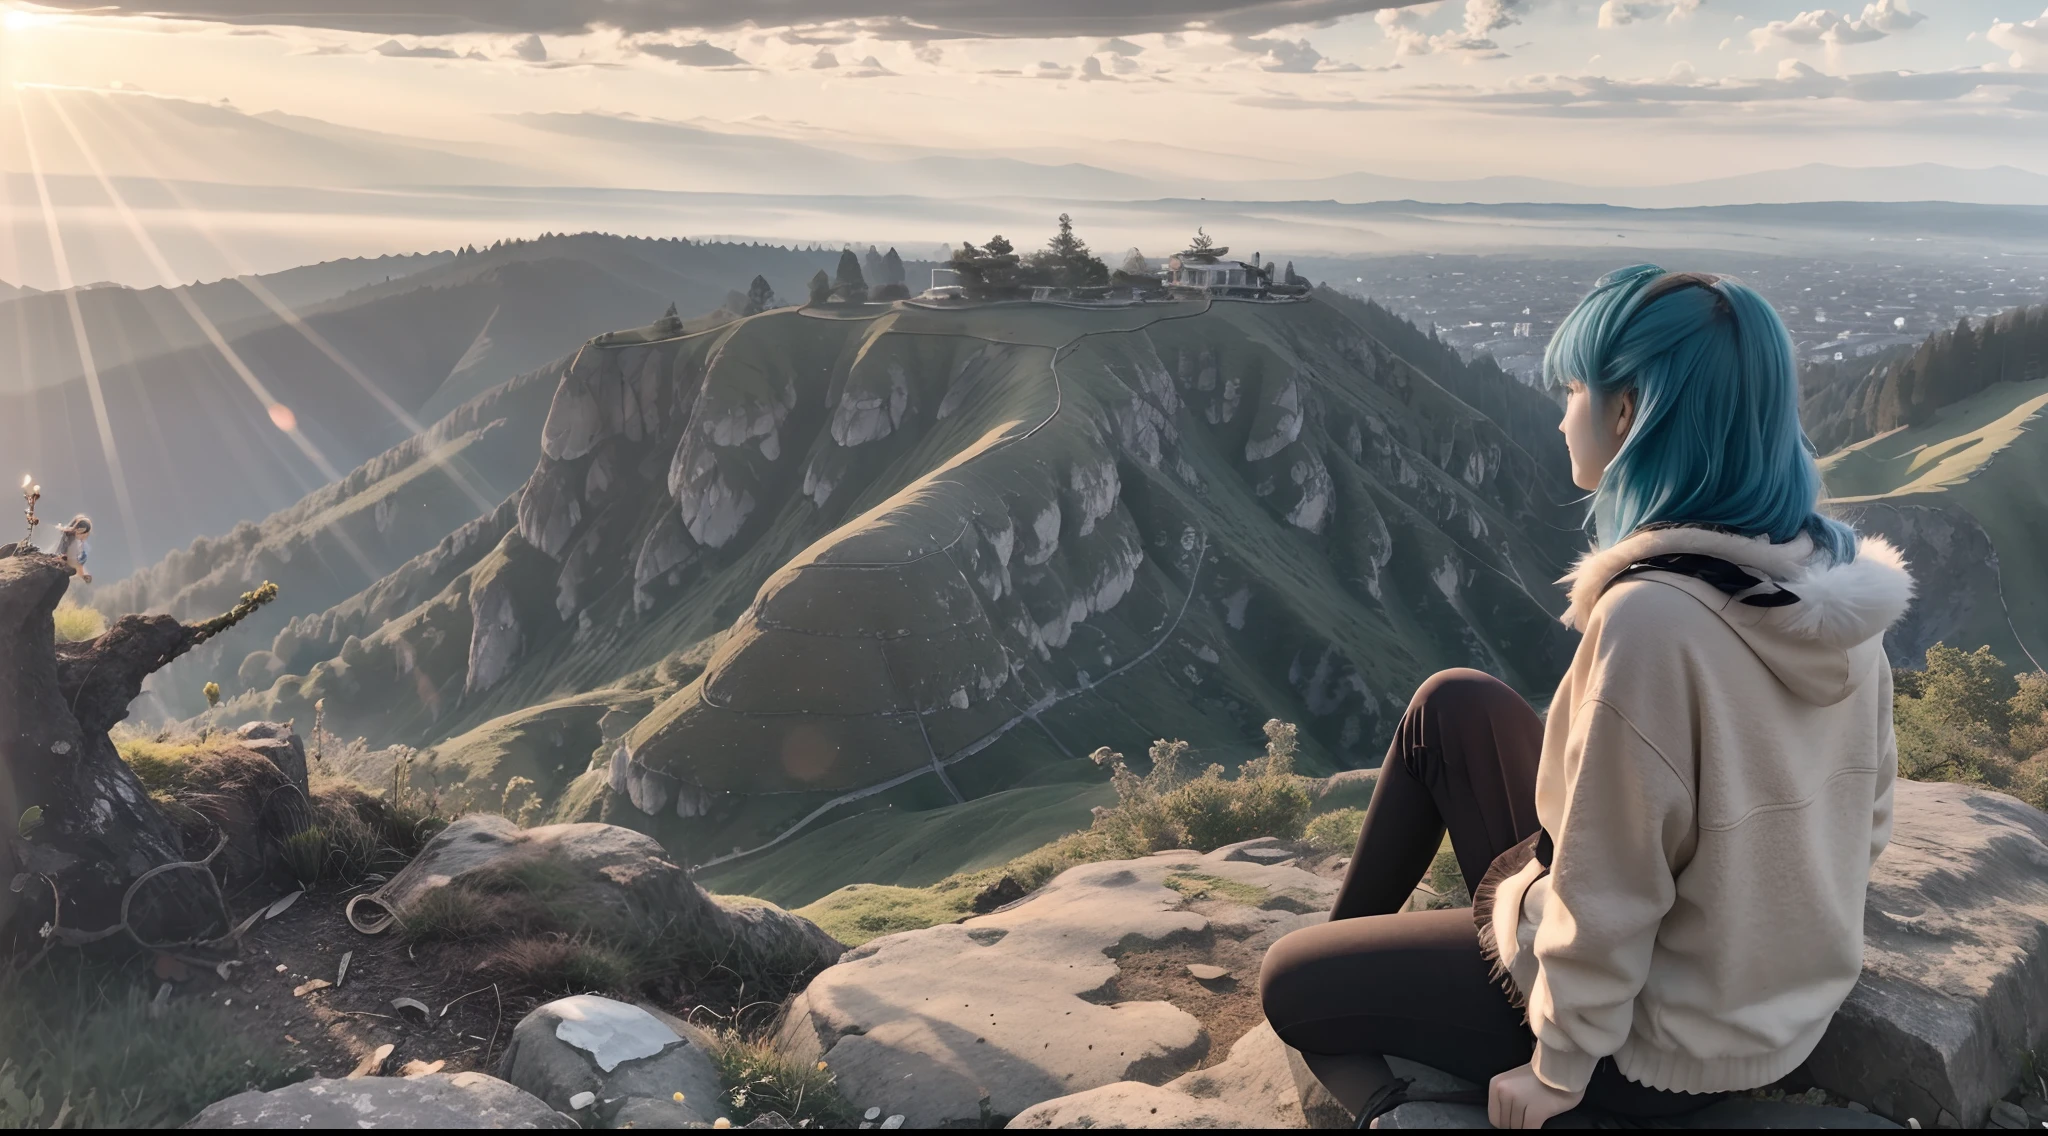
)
(179, 139)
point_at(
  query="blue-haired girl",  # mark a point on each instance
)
(1668, 872)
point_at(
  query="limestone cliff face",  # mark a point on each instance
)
(950, 550)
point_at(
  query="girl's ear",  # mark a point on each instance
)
(1625, 417)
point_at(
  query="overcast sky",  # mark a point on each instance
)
(1617, 92)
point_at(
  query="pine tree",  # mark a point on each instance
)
(850, 286)
(892, 268)
(821, 287)
(760, 297)
(1067, 261)
(871, 265)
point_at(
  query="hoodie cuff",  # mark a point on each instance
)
(1562, 1069)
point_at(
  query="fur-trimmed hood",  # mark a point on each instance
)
(1843, 609)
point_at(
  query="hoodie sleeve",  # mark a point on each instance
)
(1627, 819)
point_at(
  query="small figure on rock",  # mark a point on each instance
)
(73, 546)
(1669, 869)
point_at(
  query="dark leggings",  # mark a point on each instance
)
(1414, 984)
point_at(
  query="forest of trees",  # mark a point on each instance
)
(1841, 406)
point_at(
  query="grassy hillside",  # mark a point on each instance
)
(1980, 466)
(852, 562)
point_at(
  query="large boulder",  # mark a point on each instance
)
(622, 1055)
(1262, 1084)
(614, 882)
(974, 1023)
(438, 1100)
(1954, 993)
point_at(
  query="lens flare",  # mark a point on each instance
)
(281, 416)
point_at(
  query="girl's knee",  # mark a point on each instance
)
(1460, 689)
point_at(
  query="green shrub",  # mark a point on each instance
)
(76, 624)
(1334, 832)
(1167, 809)
(1964, 719)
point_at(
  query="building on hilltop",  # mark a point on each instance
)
(1202, 271)
(946, 285)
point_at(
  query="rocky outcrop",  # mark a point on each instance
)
(976, 1022)
(619, 884)
(1955, 961)
(606, 1062)
(1942, 543)
(1262, 1084)
(438, 1100)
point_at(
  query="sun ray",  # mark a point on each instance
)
(280, 414)
(247, 276)
(62, 266)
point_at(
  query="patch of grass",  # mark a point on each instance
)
(353, 834)
(1197, 885)
(745, 901)
(76, 624)
(1162, 809)
(565, 966)
(79, 1043)
(857, 913)
(1334, 832)
(760, 1079)
(161, 765)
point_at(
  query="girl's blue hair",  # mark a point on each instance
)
(1716, 439)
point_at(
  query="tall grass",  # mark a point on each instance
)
(81, 1047)
(76, 624)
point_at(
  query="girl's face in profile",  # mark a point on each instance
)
(1594, 430)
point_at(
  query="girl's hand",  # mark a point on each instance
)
(1516, 1099)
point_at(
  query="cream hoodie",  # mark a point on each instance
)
(1717, 782)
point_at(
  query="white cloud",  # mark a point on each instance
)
(694, 54)
(1826, 26)
(396, 50)
(1615, 13)
(2026, 39)
(1473, 38)
(1289, 56)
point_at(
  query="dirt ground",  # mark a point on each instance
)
(331, 1029)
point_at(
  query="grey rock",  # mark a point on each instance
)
(1131, 1104)
(1744, 1113)
(1427, 1114)
(2005, 1114)
(981, 1020)
(615, 1050)
(439, 1100)
(281, 744)
(629, 886)
(1738, 1113)
(1261, 850)
(653, 1112)
(1955, 960)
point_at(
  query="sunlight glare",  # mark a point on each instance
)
(281, 416)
